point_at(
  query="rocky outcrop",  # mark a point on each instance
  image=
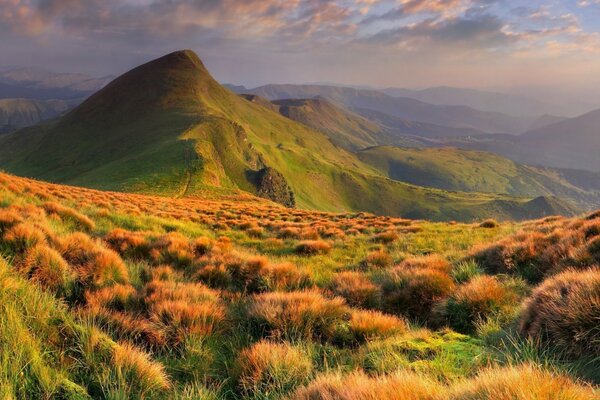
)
(271, 184)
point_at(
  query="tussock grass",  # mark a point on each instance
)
(208, 298)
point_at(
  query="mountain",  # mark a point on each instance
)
(235, 88)
(413, 128)
(19, 113)
(401, 107)
(572, 143)
(167, 127)
(33, 83)
(476, 171)
(479, 99)
(545, 120)
(344, 128)
(359, 129)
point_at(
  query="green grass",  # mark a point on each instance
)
(475, 171)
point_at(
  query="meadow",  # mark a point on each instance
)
(114, 296)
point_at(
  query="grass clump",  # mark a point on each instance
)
(268, 370)
(356, 289)
(564, 311)
(524, 382)
(313, 247)
(298, 315)
(358, 386)
(413, 290)
(489, 223)
(476, 301)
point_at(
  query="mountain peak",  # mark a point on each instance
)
(173, 81)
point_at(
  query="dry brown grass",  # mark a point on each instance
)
(81, 221)
(356, 289)
(313, 247)
(564, 311)
(413, 291)
(298, 315)
(520, 383)
(46, 266)
(267, 368)
(475, 301)
(134, 366)
(358, 386)
(367, 325)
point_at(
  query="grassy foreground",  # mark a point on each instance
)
(113, 295)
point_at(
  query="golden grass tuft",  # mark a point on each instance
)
(136, 367)
(94, 263)
(81, 221)
(386, 237)
(46, 267)
(489, 223)
(313, 247)
(184, 308)
(378, 259)
(8, 218)
(524, 382)
(23, 236)
(413, 291)
(367, 325)
(267, 368)
(358, 386)
(298, 315)
(475, 301)
(284, 277)
(356, 289)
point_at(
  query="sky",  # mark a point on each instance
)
(510, 45)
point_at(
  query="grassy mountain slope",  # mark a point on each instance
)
(348, 129)
(475, 171)
(345, 128)
(168, 127)
(401, 107)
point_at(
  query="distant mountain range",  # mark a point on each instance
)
(29, 95)
(405, 108)
(168, 127)
(481, 100)
(20, 113)
(32, 83)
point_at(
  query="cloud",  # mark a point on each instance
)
(480, 31)
(587, 3)
(290, 39)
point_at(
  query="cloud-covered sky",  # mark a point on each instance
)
(410, 43)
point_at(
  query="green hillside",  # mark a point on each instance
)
(168, 127)
(345, 128)
(477, 171)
